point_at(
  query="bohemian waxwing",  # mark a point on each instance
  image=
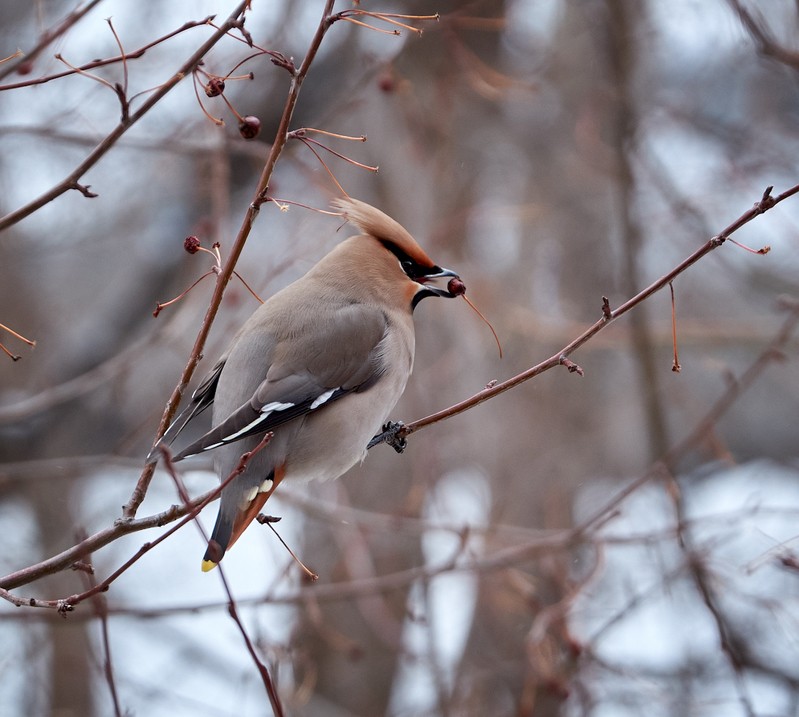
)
(320, 364)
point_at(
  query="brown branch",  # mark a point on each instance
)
(121, 527)
(561, 358)
(766, 44)
(129, 525)
(281, 137)
(47, 38)
(567, 539)
(100, 605)
(668, 464)
(135, 55)
(732, 645)
(192, 513)
(523, 549)
(69, 557)
(124, 125)
(266, 678)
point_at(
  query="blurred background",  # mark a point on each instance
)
(553, 152)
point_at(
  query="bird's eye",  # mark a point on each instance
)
(411, 268)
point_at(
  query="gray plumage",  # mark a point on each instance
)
(321, 364)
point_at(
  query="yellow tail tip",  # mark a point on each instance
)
(208, 565)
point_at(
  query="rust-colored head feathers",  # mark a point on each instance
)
(383, 228)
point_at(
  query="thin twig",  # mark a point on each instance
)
(329, 171)
(767, 201)
(47, 38)
(30, 342)
(101, 612)
(305, 130)
(675, 366)
(308, 140)
(124, 125)
(282, 204)
(121, 527)
(191, 515)
(136, 54)
(266, 678)
(224, 275)
(269, 521)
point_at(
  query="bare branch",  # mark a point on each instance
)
(136, 54)
(26, 58)
(71, 182)
(225, 274)
(767, 201)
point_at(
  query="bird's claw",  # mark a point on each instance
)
(392, 436)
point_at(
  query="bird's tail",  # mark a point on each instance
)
(234, 517)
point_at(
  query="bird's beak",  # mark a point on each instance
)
(438, 274)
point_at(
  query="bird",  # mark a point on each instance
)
(319, 365)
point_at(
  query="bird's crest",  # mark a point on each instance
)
(383, 228)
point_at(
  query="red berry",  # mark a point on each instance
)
(250, 127)
(456, 287)
(215, 87)
(386, 82)
(191, 244)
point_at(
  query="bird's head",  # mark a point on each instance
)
(393, 245)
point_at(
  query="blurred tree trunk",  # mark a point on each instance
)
(68, 676)
(531, 674)
(624, 27)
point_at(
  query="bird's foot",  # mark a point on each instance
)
(263, 519)
(393, 435)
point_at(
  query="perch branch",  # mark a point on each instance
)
(226, 272)
(561, 358)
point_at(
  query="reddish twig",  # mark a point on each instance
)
(266, 678)
(387, 17)
(269, 521)
(192, 246)
(104, 537)
(136, 54)
(27, 58)
(308, 141)
(281, 137)
(30, 342)
(100, 606)
(284, 205)
(675, 366)
(14, 357)
(561, 358)
(191, 515)
(327, 169)
(124, 125)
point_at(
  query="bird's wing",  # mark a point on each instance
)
(202, 397)
(309, 370)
